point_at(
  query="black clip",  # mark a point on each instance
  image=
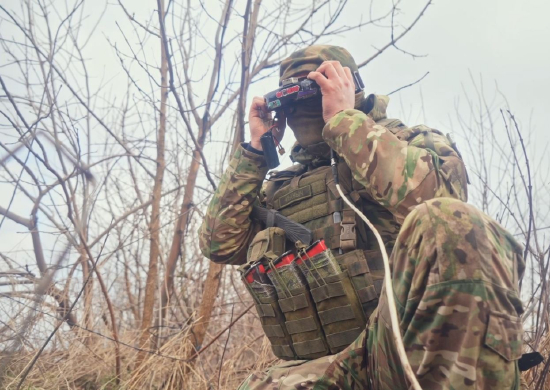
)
(529, 360)
(270, 152)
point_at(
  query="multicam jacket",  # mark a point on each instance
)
(394, 168)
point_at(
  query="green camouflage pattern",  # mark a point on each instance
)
(394, 170)
(455, 275)
(399, 167)
(227, 230)
(301, 62)
(376, 108)
(455, 271)
(309, 59)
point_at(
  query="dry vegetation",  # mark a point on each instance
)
(511, 183)
(108, 174)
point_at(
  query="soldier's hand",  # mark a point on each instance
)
(259, 120)
(337, 87)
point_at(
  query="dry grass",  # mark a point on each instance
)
(86, 362)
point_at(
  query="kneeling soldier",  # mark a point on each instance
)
(455, 271)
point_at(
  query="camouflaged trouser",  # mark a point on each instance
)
(455, 277)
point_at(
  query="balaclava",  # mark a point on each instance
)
(306, 118)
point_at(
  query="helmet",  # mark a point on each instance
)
(306, 121)
(310, 58)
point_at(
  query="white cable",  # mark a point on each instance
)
(389, 293)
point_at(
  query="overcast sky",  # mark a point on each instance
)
(505, 42)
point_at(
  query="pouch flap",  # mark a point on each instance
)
(293, 303)
(504, 335)
(309, 347)
(283, 351)
(354, 262)
(269, 244)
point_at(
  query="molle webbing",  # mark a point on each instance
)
(366, 272)
(272, 320)
(268, 245)
(336, 314)
(330, 311)
(341, 340)
(340, 312)
(265, 310)
(274, 331)
(303, 325)
(315, 347)
(312, 199)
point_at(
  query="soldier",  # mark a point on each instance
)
(455, 271)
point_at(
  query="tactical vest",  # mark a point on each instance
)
(308, 319)
(323, 315)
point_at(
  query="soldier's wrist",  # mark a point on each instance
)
(253, 149)
(256, 144)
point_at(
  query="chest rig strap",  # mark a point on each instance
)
(348, 235)
(311, 198)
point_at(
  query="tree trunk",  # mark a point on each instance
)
(179, 230)
(154, 223)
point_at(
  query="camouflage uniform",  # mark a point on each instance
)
(455, 271)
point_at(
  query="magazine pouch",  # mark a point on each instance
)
(338, 306)
(295, 301)
(266, 246)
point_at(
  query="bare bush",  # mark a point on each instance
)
(108, 172)
(510, 182)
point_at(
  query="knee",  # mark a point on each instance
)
(444, 234)
(461, 242)
(444, 211)
(440, 218)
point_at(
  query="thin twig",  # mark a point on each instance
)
(409, 85)
(37, 355)
(529, 187)
(394, 41)
(181, 109)
(225, 348)
(220, 333)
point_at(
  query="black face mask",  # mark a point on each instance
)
(306, 121)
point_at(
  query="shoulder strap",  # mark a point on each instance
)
(277, 179)
(348, 234)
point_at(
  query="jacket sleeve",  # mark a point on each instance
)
(227, 228)
(398, 171)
